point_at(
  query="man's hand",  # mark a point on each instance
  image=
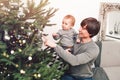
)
(68, 51)
(48, 42)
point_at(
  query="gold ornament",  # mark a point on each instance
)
(22, 71)
(35, 75)
(4, 54)
(12, 51)
(39, 75)
(19, 50)
(16, 65)
(29, 58)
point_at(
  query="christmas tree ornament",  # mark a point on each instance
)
(20, 41)
(20, 50)
(4, 54)
(6, 38)
(12, 51)
(8, 74)
(39, 75)
(22, 71)
(7, 56)
(1, 72)
(1, 4)
(16, 65)
(22, 27)
(35, 75)
(30, 58)
(23, 41)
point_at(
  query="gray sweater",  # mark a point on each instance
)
(66, 37)
(81, 59)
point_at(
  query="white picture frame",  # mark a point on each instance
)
(109, 17)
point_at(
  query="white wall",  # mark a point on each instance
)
(78, 8)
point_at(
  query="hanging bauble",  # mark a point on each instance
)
(30, 58)
(20, 50)
(39, 75)
(8, 75)
(16, 65)
(4, 54)
(35, 75)
(20, 41)
(6, 38)
(12, 51)
(22, 27)
(1, 72)
(22, 71)
(23, 41)
(1, 5)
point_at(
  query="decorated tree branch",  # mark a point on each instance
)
(21, 53)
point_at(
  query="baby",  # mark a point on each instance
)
(67, 34)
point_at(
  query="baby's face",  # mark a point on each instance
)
(66, 24)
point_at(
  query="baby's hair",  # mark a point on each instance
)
(72, 19)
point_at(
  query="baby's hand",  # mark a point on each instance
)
(54, 34)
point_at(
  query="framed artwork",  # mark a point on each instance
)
(109, 17)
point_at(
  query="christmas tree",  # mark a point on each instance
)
(21, 53)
